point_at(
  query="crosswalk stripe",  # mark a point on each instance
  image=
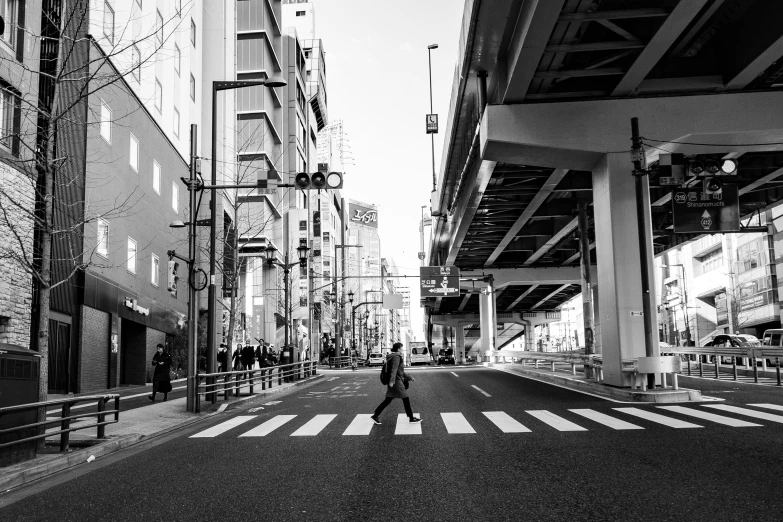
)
(720, 419)
(405, 427)
(314, 426)
(660, 419)
(769, 406)
(559, 423)
(268, 427)
(360, 425)
(456, 423)
(606, 420)
(749, 413)
(505, 422)
(223, 427)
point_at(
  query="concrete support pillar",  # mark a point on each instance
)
(596, 321)
(488, 322)
(617, 250)
(459, 351)
(530, 337)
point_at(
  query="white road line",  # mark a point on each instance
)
(406, 427)
(268, 427)
(482, 391)
(456, 423)
(660, 419)
(314, 426)
(223, 427)
(360, 425)
(330, 379)
(559, 423)
(606, 420)
(749, 413)
(454, 374)
(505, 422)
(720, 419)
(769, 406)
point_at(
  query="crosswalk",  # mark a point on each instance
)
(529, 421)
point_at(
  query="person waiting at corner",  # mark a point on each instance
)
(161, 378)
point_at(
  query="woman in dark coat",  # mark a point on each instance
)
(398, 384)
(161, 380)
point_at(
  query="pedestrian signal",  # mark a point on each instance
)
(172, 278)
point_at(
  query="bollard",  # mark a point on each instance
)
(101, 417)
(735, 368)
(701, 366)
(252, 374)
(117, 408)
(263, 379)
(717, 366)
(280, 376)
(65, 425)
(689, 366)
(755, 370)
(777, 364)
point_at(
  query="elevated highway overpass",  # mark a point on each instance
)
(539, 127)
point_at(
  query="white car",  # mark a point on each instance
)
(376, 359)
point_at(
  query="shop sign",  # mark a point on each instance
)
(132, 304)
(363, 215)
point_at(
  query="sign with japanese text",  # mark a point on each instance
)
(363, 215)
(698, 212)
(432, 124)
(439, 281)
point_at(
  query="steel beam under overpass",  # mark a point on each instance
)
(560, 275)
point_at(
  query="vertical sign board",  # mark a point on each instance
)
(439, 281)
(432, 124)
(317, 223)
(697, 212)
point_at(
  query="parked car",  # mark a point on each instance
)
(734, 341)
(446, 356)
(375, 359)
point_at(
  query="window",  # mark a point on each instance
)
(175, 197)
(136, 63)
(176, 122)
(7, 105)
(159, 28)
(158, 95)
(105, 122)
(154, 269)
(300, 13)
(133, 153)
(156, 177)
(192, 88)
(108, 22)
(102, 247)
(9, 10)
(177, 58)
(131, 255)
(712, 261)
(193, 32)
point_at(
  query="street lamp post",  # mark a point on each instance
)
(211, 304)
(432, 135)
(353, 337)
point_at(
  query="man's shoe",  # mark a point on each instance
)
(150, 397)
(414, 419)
(375, 419)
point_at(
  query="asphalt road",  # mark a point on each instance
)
(560, 465)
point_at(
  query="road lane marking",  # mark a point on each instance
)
(454, 374)
(606, 420)
(505, 422)
(660, 419)
(482, 391)
(744, 411)
(456, 423)
(330, 379)
(223, 427)
(559, 423)
(360, 425)
(769, 406)
(720, 419)
(268, 427)
(406, 427)
(314, 426)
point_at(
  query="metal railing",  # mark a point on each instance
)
(226, 382)
(65, 418)
(339, 362)
(748, 354)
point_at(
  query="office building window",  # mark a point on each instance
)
(159, 27)
(154, 277)
(131, 255)
(102, 247)
(7, 109)
(175, 197)
(158, 95)
(105, 122)
(193, 32)
(133, 153)
(156, 177)
(712, 261)
(177, 58)
(192, 88)
(176, 122)
(108, 22)
(9, 10)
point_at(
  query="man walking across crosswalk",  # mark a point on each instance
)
(398, 384)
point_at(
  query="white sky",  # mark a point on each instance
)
(377, 82)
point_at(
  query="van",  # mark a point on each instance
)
(774, 339)
(420, 354)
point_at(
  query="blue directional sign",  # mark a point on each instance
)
(697, 212)
(439, 281)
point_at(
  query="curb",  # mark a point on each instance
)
(668, 396)
(65, 461)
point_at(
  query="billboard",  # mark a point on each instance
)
(363, 215)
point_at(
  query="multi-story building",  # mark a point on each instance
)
(364, 264)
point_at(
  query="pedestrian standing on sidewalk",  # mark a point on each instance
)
(248, 355)
(161, 380)
(397, 387)
(236, 358)
(222, 358)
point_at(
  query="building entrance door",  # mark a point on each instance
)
(133, 353)
(59, 355)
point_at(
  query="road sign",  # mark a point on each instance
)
(439, 281)
(666, 180)
(432, 124)
(698, 212)
(637, 314)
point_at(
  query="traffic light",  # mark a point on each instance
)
(172, 278)
(712, 185)
(712, 167)
(319, 180)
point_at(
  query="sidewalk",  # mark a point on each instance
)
(136, 425)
